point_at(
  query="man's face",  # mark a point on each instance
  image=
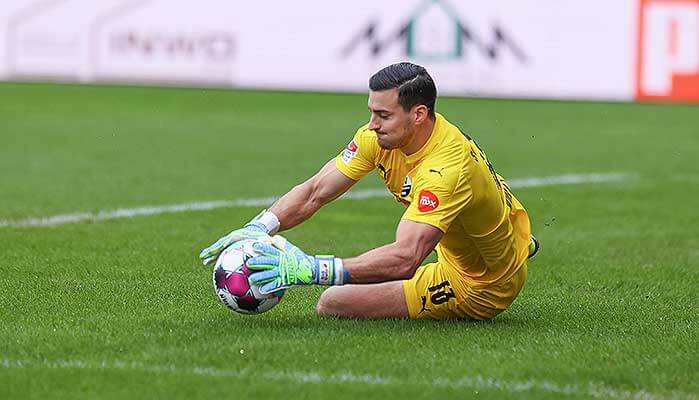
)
(394, 126)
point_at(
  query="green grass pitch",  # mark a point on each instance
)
(122, 309)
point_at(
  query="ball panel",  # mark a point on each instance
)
(249, 303)
(237, 283)
(232, 258)
(227, 299)
(220, 276)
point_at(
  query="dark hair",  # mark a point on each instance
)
(415, 85)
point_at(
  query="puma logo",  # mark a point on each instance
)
(437, 171)
(424, 302)
(384, 171)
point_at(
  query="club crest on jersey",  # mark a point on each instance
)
(407, 186)
(427, 201)
(350, 152)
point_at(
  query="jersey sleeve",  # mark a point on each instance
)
(438, 198)
(360, 155)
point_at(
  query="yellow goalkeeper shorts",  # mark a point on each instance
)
(439, 291)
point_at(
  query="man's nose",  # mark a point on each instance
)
(374, 123)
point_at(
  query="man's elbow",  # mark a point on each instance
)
(409, 266)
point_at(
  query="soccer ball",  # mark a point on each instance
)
(231, 281)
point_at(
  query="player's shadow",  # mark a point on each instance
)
(314, 324)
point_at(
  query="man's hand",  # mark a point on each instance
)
(283, 265)
(252, 230)
(264, 224)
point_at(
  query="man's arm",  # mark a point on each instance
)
(282, 265)
(398, 260)
(301, 202)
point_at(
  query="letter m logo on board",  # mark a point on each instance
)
(667, 66)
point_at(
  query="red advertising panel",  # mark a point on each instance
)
(667, 65)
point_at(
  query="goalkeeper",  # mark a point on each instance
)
(455, 204)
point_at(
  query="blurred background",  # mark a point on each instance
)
(623, 50)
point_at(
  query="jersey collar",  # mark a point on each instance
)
(435, 138)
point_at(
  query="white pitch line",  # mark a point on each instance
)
(477, 382)
(569, 179)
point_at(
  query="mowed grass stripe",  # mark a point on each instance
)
(476, 382)
(568, 179)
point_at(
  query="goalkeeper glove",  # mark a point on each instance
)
(260, 227)
(283, 265)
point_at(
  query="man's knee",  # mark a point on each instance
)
(328, 303)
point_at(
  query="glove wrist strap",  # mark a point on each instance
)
(341, 274)
(269, 220)
(330, 271)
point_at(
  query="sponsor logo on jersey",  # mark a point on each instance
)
(407, 186)
(427, 201)
(350, 152)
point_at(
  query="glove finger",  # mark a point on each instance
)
(258, 278)
(206, 253)
(215, 248)
(280, 242)
(209, 260)
(271, 287)
(263, 262)
(266, 249)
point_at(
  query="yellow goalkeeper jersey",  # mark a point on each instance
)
(450, 184)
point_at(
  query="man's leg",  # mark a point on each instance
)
(427, 294)
(437, 291)
(378, 300)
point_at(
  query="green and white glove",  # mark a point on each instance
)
(283, 265)
(260, 227)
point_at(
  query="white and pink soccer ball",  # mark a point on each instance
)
(231, 281)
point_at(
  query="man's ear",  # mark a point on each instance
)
(421, 113)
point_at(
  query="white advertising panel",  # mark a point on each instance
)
(500, 48)
(625, 49)
(168, 42)
(11, 13)
(52, 38)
